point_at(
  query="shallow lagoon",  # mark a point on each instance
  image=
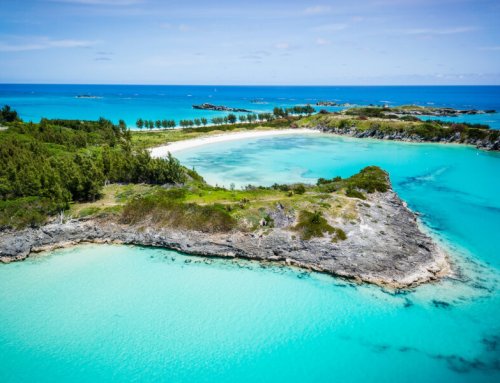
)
(115, 313)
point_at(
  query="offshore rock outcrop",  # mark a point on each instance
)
(220, 108)
(384, 245)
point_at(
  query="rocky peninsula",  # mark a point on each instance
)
(395, 129)
(371, 238)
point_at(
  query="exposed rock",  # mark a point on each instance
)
(220, 108)
(326, 103)
(485, 144)
(438, 112)
(385, 246)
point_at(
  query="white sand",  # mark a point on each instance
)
(162, 151)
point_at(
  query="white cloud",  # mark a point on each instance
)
(318, 10)
(282, 46)
(45, 43)
(437, 31)
(321, 41)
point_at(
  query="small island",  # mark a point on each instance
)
(220, 108)
(326, 103)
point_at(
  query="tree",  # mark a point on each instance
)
(308, 109)
(139, 123)
(158, 124)
(231, 118)
(171, 124)
(242, 118)
(204, 121)
(164, 124)
(151, 124)
(278, 112)
(197, 122)
(8, 115)
(122, 125)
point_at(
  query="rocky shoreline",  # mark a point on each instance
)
(385, 246)
(484, 144)
(439, 112)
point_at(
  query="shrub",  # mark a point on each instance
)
(299, 189)
(164, 209)
(28, 211)
(353, 193)
(315, 225)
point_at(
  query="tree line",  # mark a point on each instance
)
(158, 124)
(229, 119)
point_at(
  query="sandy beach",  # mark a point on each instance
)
(162, 151)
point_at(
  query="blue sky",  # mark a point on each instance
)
(250, 42)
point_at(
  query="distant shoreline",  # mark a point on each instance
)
(162, 151)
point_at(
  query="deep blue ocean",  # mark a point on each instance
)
(130, 102)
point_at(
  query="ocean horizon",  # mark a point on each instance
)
(152, 102)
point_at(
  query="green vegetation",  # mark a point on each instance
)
(158, 124)
(8, 115)
(198, 206)
(370, 179)
(315, 225)
(95, 169)
(46, 166)
(434, 130)
(142, 140)
(167, 209)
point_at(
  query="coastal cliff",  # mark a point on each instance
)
(384, 244)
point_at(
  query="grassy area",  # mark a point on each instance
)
(198, 206)
(152, 138)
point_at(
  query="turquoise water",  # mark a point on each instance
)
(130, 102)
(455, 188)
(117, 313)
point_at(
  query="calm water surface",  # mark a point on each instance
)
(130, 102)
(117, 313)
